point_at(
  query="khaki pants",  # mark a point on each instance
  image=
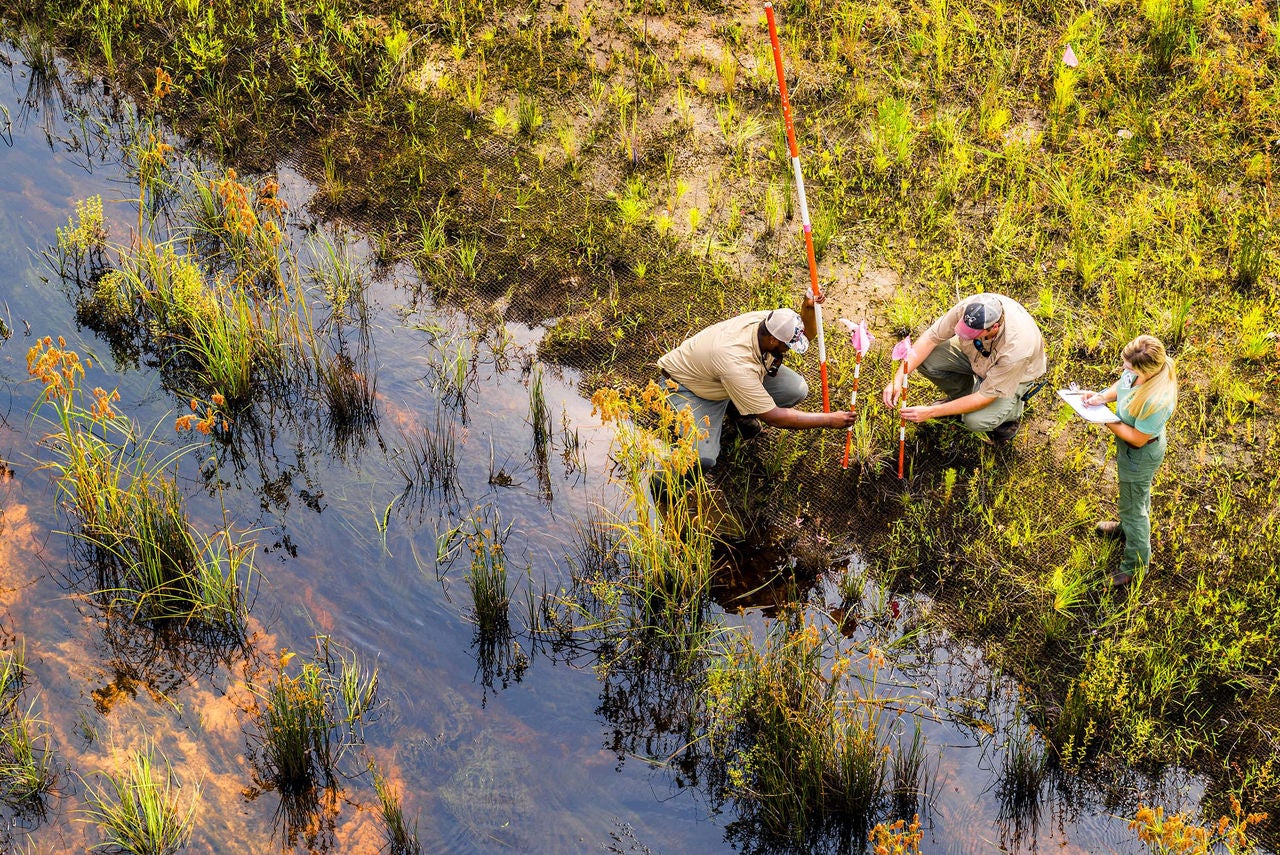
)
(787, 389)
(950, 371)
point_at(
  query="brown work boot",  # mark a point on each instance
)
(1007, 431)
(1119, 580)
(1109, 528)
(748, 427)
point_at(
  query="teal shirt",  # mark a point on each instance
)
(1152, 424)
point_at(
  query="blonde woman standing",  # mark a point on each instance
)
(1145, 395)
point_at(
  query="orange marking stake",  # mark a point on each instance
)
(904, 352)
(804, 205)
(861, 341)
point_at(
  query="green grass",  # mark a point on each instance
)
(297, 731)
(482, 537)
(138, 814)
(308, 717)
(401, 839)
(427, 459)
(26, 762)
(539, 414)
(1023, 771)
(334, 272)
(137, 546)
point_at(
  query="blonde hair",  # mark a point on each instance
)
(1159, 391)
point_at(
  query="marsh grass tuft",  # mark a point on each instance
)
(910, 775)
(1023, 770)
(868, 453)
(483, 536)
(796, 751)
(309, 717)
(528, 115)
(337, 277)
(26, 763)
(139, 814)
(142, 552)
(539, 413)
(905, 315)
(428, 459)
(431, 237)
(401, 839)
(1251, 253)
(1170, 24)
(350, 395)
(297, 729)
(891, 134)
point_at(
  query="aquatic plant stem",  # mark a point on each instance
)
(804, 205)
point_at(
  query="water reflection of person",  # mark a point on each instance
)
(739, 361)
(1145, 397)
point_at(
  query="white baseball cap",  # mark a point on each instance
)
(785, 325)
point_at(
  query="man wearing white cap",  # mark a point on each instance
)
(985, 354)
(739, 361)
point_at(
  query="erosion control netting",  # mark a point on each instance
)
(614, 295)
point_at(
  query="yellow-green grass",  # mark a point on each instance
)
(143, 809)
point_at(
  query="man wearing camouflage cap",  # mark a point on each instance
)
(985, 354)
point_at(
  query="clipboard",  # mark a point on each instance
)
(1099, 414)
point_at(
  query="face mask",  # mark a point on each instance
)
(1128, 378)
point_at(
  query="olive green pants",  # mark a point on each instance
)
(1136, 468)
(949, 369)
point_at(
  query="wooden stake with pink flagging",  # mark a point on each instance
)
(903, 352)
(804, 205)
(861, 341)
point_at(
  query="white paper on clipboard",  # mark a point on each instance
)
(1098, 414)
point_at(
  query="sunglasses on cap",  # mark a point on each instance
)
(796, 334)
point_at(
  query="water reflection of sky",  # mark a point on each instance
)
(520, 768)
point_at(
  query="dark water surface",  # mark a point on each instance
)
(521, 768)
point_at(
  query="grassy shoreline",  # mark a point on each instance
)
(539, 163)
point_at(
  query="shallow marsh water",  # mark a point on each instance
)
(521, 767)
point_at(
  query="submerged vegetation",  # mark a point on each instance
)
(1110, 167)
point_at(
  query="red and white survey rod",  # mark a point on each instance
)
(804, 205)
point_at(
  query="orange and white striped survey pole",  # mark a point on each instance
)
(804, 205)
